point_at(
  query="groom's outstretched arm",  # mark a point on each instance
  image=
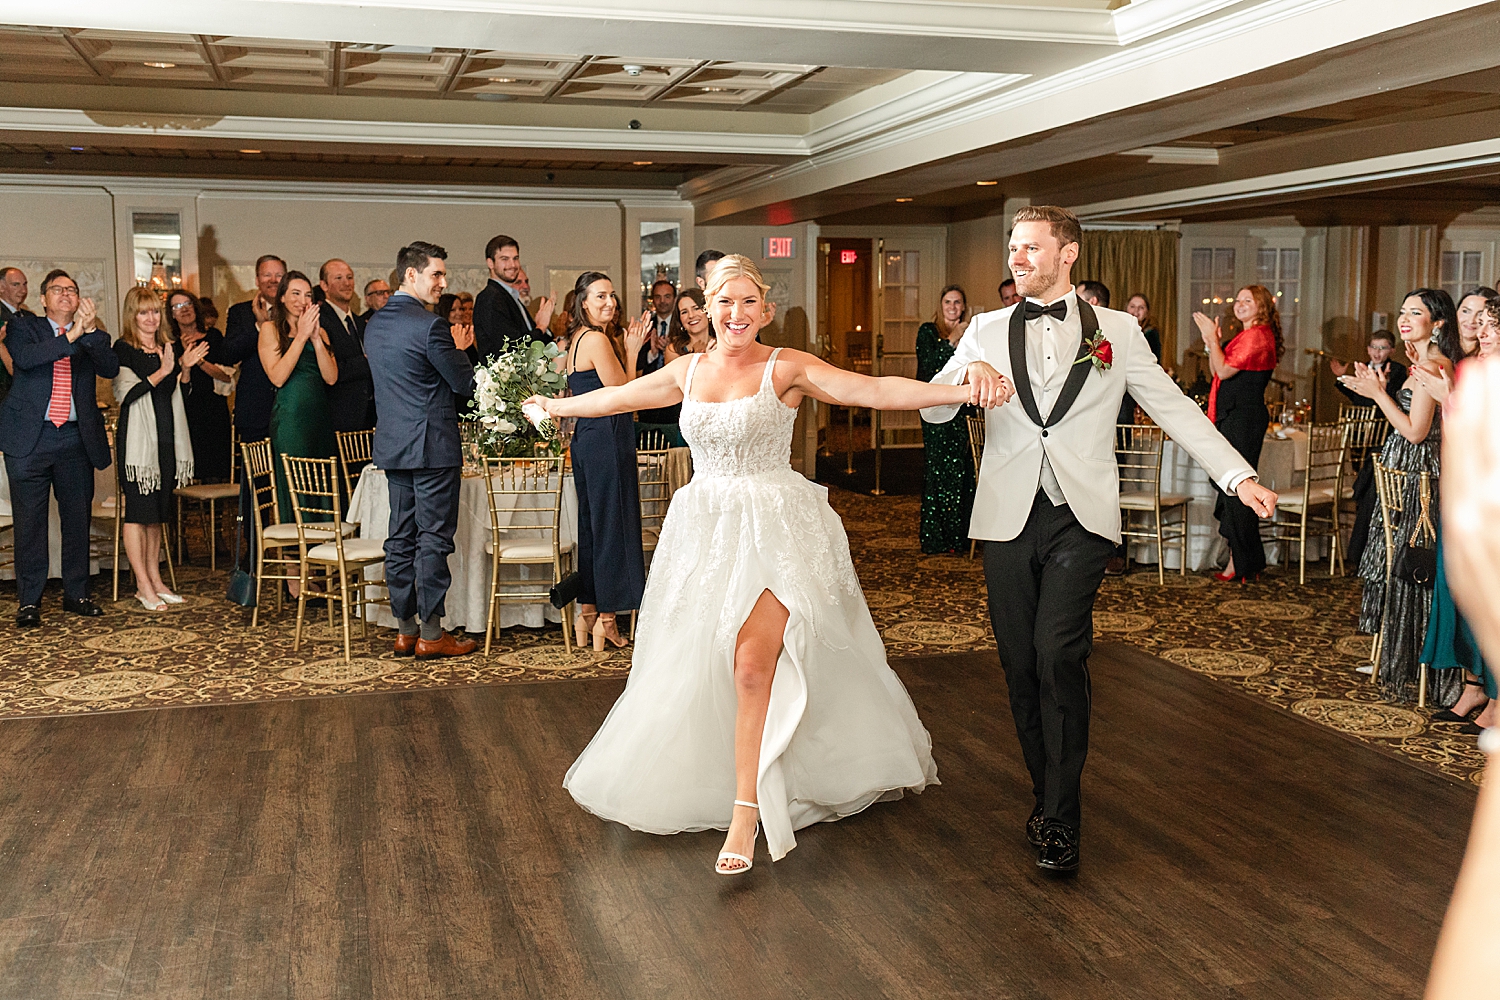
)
(1179, 416)
(954, 373)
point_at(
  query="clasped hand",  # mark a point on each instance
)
(1365, 381)
(987, 387)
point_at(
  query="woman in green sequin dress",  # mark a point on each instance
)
(948, 490)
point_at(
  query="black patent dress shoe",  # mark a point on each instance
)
(1059, 851)
(29, 616)
(82, 606)
(1034, 827)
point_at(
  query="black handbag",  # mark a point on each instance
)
(1416, 563)
(565, 591)
(241, 582)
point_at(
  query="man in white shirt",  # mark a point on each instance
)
(1048, 498)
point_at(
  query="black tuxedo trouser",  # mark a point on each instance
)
(57, 464)
(1041, 597)
(1365, 499)
(424, 515)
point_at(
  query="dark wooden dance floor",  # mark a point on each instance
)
(419, 845)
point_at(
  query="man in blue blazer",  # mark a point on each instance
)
(420, 370)
(53, 439)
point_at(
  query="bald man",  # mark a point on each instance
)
(351, 400)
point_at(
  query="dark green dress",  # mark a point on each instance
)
(948, 491)
(301, 424)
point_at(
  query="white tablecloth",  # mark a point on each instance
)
(468, 599)
(1280, 460)
(101, 532)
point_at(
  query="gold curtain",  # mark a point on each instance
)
(1136, 260)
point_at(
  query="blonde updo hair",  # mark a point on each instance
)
(726, 269)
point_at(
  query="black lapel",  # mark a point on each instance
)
(1080, 370)
(1020, 375)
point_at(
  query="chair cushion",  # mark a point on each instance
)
(524, 550)
(1141, 500)
(209, 491)
(1293, 501)
(284, 533)
(355, 550)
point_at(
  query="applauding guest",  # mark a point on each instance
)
(254, 393)
(1237, 406)
(53, 439)
(301, 424)
(205, 395)
(153, 446)
(690, 332)
(351, 400)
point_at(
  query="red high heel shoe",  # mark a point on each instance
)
(1225, 577)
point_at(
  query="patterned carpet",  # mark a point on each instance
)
(1292, 646)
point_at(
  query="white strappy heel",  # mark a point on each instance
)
(731, 856)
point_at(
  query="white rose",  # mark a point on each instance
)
(505, 427)
(489, 421)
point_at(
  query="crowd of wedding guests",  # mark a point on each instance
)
(289, 366)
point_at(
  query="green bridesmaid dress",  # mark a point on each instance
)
(301, 424)
(948, 491)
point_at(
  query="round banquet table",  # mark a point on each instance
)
(467, 603)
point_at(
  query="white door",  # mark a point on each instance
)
(906, 292)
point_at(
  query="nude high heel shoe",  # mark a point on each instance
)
(724, 856)
(604, 630)
(583, 627)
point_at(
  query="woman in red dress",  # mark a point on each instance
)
(1237, 406)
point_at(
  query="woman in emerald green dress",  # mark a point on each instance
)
(948, 490)
(300, 421)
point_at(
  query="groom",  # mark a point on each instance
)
(419, 369)
(1048, 500)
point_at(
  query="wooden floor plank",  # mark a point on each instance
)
(420, 845)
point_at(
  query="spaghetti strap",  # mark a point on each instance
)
(687, 383)
(765, 379)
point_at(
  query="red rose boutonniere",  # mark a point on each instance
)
(1100, 352)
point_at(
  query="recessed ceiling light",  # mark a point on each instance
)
(985, 184)
(76, 149)
(501, 79)
(641, 163)
(160, 65)
(249, 151)
(492, 96)
(714, 90)
(902, 201)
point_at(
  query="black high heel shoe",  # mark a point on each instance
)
(1448, 715)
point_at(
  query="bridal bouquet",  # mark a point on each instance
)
(501, 384)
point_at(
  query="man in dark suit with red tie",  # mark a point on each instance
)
(53, 438)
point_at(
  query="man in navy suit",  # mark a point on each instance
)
(53, 439)
(254, 393)
(420, 370)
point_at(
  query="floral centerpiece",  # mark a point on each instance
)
(501, 385)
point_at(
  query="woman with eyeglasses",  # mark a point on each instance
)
(206, 394)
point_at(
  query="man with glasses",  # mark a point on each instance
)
(377, 294)
(53, 438)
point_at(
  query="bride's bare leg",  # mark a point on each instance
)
(756, 650)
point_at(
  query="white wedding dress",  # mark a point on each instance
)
(841, 732)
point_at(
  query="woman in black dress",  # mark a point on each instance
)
(1237, 406)
(205, 393)
(153, 448)
(611, 564)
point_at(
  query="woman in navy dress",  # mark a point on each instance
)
(611, 564)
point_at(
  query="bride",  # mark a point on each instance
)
(759, 688)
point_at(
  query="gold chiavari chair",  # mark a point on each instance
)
(976, 449)
(531, 488)
(1365, 430)
(354, 454)
(1390, 484)
(313, 484)
(271, 536)
(1314, 508)
(651, 441)
(1138, 453)
(207, 495)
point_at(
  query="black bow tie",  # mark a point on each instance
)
(1057, 310)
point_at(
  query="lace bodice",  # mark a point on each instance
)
(739, 437)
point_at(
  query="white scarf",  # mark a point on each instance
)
(142, 459)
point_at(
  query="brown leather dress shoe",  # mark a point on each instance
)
(406, 645)
(448, 645)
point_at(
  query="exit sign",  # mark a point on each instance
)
(780, 248)
(848, 256)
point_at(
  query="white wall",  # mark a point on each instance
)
(976, 259)
(54, 226)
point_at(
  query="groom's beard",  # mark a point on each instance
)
(1037, 282)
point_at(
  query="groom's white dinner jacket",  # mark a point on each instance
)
(1079, 447)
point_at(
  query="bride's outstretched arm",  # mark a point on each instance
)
(821, 380)
(649, 392)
